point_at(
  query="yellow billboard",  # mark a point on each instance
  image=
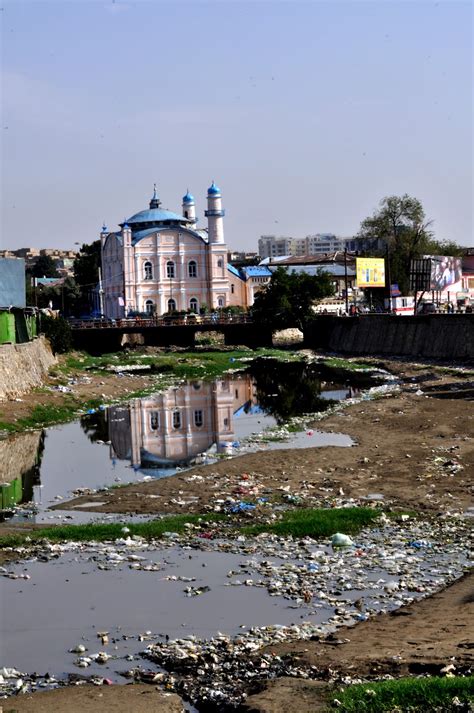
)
(370, 272)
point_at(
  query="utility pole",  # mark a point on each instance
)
(389, 278)
(345, 280)
(101, 294)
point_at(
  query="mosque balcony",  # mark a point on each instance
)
(214, 213)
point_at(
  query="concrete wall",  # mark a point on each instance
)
(23, 366)
(434, 336)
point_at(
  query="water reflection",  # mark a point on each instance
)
(177, 427)
(20, 460)
(194, 423)
(201, 420)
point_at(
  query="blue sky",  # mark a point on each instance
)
(306, 114)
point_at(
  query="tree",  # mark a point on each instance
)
(401, 223)
(63, 297)
(86, 272)
(287, 300)
(45, 266)
(58, 331)
(86, 265)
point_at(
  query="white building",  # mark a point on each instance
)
(160, 262)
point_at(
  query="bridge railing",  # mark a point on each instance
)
(164, 321)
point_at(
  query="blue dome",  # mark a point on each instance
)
(155, 215)
(188, 198)
(213, 190)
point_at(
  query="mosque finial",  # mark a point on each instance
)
(155, 201)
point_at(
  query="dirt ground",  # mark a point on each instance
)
(96, 699)
(422, 637)
(415, 449)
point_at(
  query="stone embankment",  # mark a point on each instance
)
(433, 336)
(24, 366)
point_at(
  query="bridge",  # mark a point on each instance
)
(99, 336)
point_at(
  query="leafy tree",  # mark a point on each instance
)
(86, 273)
(58, 331)
(45, 266)
(287, 301)
(62, 297)
(401, 223)
(86, 265)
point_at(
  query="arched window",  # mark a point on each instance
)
(150, 307)
(171, 305)
(148, 270)
(192, 268)
(154, 420)
(220, 302)
(232, 289)
(176, 419)
(220, 262)
(170, 269)
(193, 305)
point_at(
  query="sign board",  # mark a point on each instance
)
(445, 271)
(434, 272)
(420, 275)
(370, 272)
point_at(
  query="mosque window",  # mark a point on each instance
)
(149, 307)
(170, 271)
(220, 262)
(192, 268)
(232, 289)
(220, 301)
(154, 420)
(193, 305)
(148, 271)
(198, 418)
(176, 419)
(171, 305)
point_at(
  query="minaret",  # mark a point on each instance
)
(215, 215)
(155, 201)
(103, 234)
(189, 207)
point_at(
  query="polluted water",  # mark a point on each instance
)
(195, 423)
(129, 608)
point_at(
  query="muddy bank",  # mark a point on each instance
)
(91, 699)
(421, 638)
(414, 449)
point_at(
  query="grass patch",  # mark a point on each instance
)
(108, 531)
(318, 522)
(346, 364)
(407, 694)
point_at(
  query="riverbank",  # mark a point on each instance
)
(414, 451)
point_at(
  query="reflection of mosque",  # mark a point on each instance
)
(173, 428)
(20, 457)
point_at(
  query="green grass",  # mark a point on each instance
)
(318, 522)
(348, 365)
(110, 531)
(422, 695)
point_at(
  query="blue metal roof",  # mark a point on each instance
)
(156, 215)
(257, 271)
(234, 271)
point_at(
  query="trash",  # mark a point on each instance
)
(341, 540)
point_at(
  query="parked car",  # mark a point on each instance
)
(192, 319)
(427, 308)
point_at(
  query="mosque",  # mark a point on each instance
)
(160, 261)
